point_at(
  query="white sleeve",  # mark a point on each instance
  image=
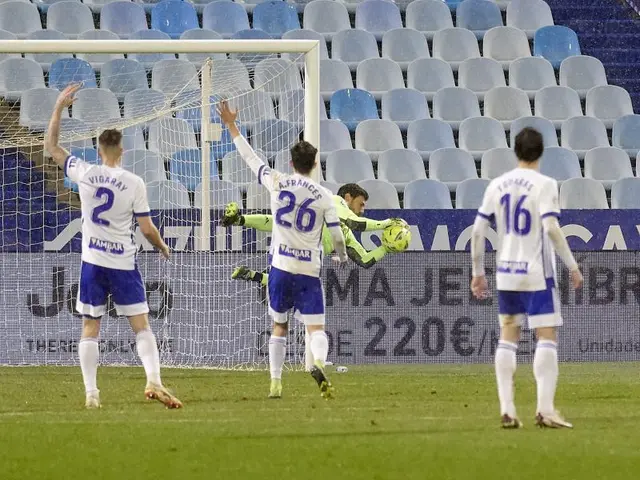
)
(548, 201)
(553, 230)
(487, 209)
(140, 201)
(333, 224)
(74, 168)
(265, 175)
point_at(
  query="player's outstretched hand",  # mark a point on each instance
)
(480, 287)
(166, 253)
(227, 115)
(67, 96)
(576, 279)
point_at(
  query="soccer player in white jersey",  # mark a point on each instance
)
(524, 205)
(301, 208)
(110, 199)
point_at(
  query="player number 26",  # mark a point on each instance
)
(517, 219)
(305, 217)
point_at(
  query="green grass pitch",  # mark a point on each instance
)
(400, 422)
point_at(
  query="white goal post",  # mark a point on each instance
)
(20, 335)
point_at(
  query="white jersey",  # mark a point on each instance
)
(518, 201)
(110, 198)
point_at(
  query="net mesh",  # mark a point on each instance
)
(200, 316)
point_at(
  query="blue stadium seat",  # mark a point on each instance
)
(225, 18)
(174, 17)
(583, 193)
(625, 193)
(71, 70)
(46, 59)
(376, 136)
(122, 76)
(607, 165)
(608, 103)
(542, 125)
(470, 192)
(334, 135)
(479, 134)
(353, 46)
(186, 167)
(404, 105)
(97, 60)
(560, 163)
(529, 15)
(70, 18)
(404, 45)
(149, 59)
(428, 75)
(400, 166)
(555, 43)
(378, 17)
(581, 134)
(428, 16)
(478, 16)
(147, 165)
(427, 194)
(275, 17)
(89, 155)
(326, 17)
(382, 195)
(221, 194)
(378, 75)
(352, 106)
(497, 161)
(167, 194)
(349, 166)
(334, 75)
(451, 166)
(426, 136)
(626, 134)
(123, 18)
(274, 135)
(19, 18)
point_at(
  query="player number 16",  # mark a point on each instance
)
(517, 221)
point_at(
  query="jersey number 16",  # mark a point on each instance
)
(518, 219)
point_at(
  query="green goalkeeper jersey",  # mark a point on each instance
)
(344, 214)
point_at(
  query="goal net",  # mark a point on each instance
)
(162, 95)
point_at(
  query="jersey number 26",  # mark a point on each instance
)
(518, 219)
(304, 217)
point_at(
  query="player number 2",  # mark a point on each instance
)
(517, 221)
(305, 217)
(101, 193)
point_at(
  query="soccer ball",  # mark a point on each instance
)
(396, 238)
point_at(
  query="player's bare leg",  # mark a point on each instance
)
(150, 358)
(319, 346)
(545, 369)
(89, 353)
(505, 367)
(277, 355)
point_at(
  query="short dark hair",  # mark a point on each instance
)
(354, 190)
(110, 138)
(303, 157)
(529, 145)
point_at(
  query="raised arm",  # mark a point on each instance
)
(247, 153)
(52, 138)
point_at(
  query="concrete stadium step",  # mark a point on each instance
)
(568, 12)
(610, 55)
(603, 26)
(598, 40)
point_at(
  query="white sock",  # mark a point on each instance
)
(277, 354)
(308, 356)
(505, 363)
(319, 346)
(545, 369)
(89, 353)
(148, 353)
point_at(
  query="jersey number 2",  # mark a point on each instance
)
(305, 217)
(517, 221)
(106, 205)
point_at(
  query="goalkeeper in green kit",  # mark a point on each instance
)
(350, 203)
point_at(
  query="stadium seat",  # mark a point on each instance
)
(334, 75)
(258, 197)
(497, 161)
(147, 165)
(581, 134)
(282, 162)
(334, 135)
(272, 136)
(252, 106)
(46, 59)
(71, 70)
(225, 145)
(376, 136)
(70, 18)
(167, 194)
(97, 5)
(625, 193)
(378, 75)
(353, 46)
(479, 16)
(608, 103)
(382, 195)
(505, 44)
(200, 34)
(222, 193)
(626, 134)
(275, 17)
(82, 132)
(97, 107)
(479, 134)
(251, 59)
(133, 138)
(404, 105)
(470, 192)
(36, 106)
(291, 107)
(150, 59)
(426, 136)
(348, 166)
(331, 186)
(404, 45)
(481, 74)
(454, 104)
(326, 17)
(555, 43)
(97, 60)
(506, 104)
(428, 17)
(400, 166)
(352, 106)
(560, 163)
(122, 76)
(455, 45)
(582, 73)
(428, 75)
(19, 18)
(277, 75)
(123, 18)
(542, 125)
(225, 18)
(427, 194)
(236, 170)
(4, 35)
(89, 155)
(302, 34)
(531, 74)
(607, 164)
(378, 17)
(18, 75)
(170, 135)
(174, 17)
(557, 104)
(529, 15)
(173, 76)
(583, 193)
(451, 166)
(232, 76)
